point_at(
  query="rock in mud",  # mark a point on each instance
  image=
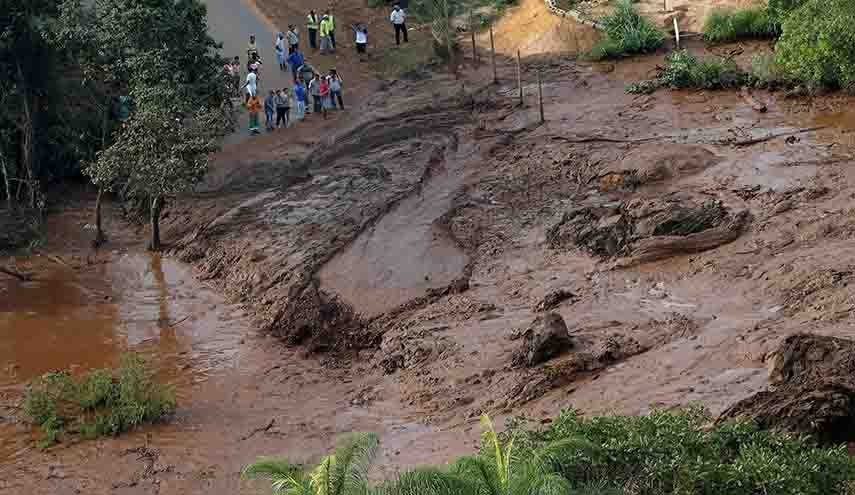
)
(552, 299)
(545, 338)
(812, 389)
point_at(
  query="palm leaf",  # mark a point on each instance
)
(479, 472)
(353, 456)
(322, 476)
(429, 481)
(562, 453)
(284, 476)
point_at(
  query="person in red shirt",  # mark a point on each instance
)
(325, 95)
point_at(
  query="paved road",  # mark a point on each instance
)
(231, 23)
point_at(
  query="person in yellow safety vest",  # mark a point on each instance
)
(312, 28)
(326, 44)
(332, 27)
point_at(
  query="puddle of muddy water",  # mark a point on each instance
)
(83, 320)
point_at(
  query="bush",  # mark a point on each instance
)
(100, 403)
(684, 70)
(730, 25)
(675, 453)
(765, 72)
(780, 9)
(817, 46)
(626, 32)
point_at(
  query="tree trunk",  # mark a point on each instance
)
(6, 182)
(100, 238)
(28, 137)
(156, 207)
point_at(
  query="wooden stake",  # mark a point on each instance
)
(519, 76)
(676, 33)
(493, 55)
(540, 97)
(474, 47)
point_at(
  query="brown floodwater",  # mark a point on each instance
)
(86, 318)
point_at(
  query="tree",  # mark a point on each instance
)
(343, 472)
(25, 71)
(164, 150)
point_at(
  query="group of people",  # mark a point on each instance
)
(312, 92)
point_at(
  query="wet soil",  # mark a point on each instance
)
(409, 236)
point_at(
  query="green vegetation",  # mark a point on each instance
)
(626, 33)
(68, 69)
(817, 46)
(765, 72)
(731, 25)
(780, 9)
(98, 404)
(664, 453)
(684, 70)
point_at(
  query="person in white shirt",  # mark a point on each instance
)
(361, 39)
(251, 83)
(399, 21)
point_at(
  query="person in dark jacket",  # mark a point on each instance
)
(270, 110)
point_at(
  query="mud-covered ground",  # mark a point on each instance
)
(680, 236)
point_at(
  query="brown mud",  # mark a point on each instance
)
(413, 243)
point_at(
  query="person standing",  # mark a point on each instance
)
(251, 85)
(361, 40)
(315, 92)
(293, 39)
(331, 17)
(296, 60)
(300, 100)
(283, 108)
(270, 110)
(254, 106)
(326, 96)
(235, 72)
(280, 51)
(326, 44)
(312, 28)
(335, 89)
(399, 22)
(251, 48)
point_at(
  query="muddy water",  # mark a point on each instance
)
(83, 319)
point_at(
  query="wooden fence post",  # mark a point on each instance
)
(676, 33)
(519, 76)
(540, 97)
(474, 47)
(493, 54)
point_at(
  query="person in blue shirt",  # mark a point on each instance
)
(295, 60)
(300, 100)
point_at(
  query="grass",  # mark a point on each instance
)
(626, 33)
(408, 58)
(685, 70)
(730, 25)
(101, 403)
(663, 453)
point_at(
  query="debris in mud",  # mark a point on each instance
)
(648, 229)
(653, 163)
(545, 338)
(411, 346)
(825, 293)
(552, 299)
(812, 389)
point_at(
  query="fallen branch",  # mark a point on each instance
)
(769, 137)
(600, 139)
(259, 430)
(24, 277)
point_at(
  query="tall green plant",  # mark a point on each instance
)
(626, 32)
(343, 472)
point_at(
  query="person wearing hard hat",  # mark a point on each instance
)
(312, 28)
(325, 28)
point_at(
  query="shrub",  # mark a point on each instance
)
(730, 25)
(100, 403)
(668, 453)
(780, 9)
(626, 32)
(765, 72)
(684, 70)
(817, 46)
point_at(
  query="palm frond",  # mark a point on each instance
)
(353, 456)
(551, 484)
(322, 476)
(478, 471)
(284, 476)
(562, 453)
(429, 481)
